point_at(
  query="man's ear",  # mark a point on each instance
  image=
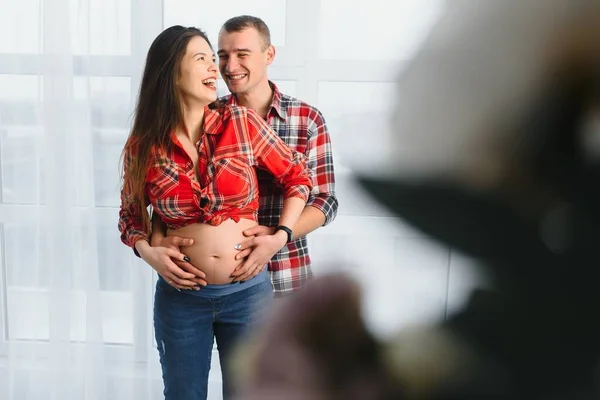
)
(270, 54)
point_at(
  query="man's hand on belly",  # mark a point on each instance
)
(176, 242)
(245, 248)
(260, 249)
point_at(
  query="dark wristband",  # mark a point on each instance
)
(286, 230)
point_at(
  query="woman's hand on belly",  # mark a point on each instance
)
(161, 260)
(179, 243)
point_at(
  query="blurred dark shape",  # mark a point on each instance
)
(496, 155)
(316, 347)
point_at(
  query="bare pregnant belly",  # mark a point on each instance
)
(213, 251)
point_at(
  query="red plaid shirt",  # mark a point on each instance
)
(236, 140)
(302, 127)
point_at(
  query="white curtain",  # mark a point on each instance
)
(75, 304)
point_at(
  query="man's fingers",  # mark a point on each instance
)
(259, 230)
(245, 244)
(252, 231)
(176, 241)
(179, 241)
(243, 254)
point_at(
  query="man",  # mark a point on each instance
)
(245, 52)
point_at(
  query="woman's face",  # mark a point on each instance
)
(198, 73)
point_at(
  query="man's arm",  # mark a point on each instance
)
(322, 205)
(310, 219)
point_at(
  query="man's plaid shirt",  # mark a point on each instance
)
(302, 127)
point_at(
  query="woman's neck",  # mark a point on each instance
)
(193, 121)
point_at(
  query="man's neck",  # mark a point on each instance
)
(193, 119)
(259, 99)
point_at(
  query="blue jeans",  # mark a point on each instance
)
(186, 323)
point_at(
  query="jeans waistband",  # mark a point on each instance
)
(218, 290)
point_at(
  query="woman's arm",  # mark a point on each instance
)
(131, 226)
(135, 235)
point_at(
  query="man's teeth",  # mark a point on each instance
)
(237, 76)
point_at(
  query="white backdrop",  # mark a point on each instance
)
(75, 304)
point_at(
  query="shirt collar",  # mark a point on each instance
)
(275, 102)
(213, 122)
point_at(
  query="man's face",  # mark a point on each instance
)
(243, 59)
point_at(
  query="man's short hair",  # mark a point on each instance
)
(241, 22)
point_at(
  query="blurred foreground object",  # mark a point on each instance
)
(316, 347)
(496, 153)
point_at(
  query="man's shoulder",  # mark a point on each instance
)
(295, 107)
(287, 103)
(291, 102)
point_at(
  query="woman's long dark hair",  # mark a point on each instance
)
(158, 110)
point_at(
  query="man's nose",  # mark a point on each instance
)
(232, 64)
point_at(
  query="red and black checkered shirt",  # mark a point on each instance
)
(236, 143)
(302, 127)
